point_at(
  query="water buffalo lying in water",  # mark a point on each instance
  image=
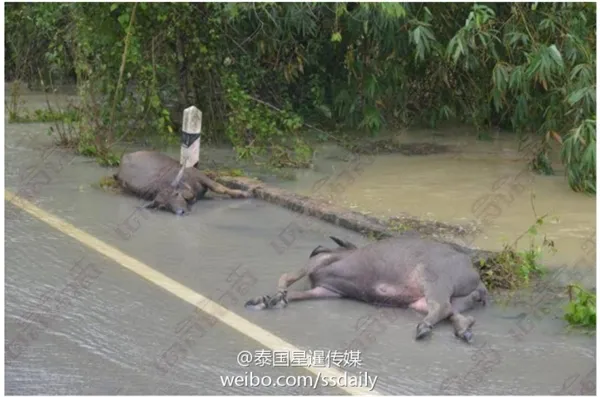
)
(161, 179)
(430, 277)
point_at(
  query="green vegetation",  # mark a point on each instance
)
(396, 225)
(381, 146)
(266, 75)
(579, 154)
(18, 115)
(108, 183)
(214, 173)
(581, 310)
(513, 269)
(41, 116)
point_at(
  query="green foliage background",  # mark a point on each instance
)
(262, 71)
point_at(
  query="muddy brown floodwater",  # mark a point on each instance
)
(452, 187)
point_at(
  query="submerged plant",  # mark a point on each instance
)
(108, 183)
(581, 309)
(513, 269)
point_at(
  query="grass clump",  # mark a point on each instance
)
(108, 183)
(512, 269)
(106, 158)
(233, 172)
(390, 146)
(42, 116)
(396, 225)
(580, 312)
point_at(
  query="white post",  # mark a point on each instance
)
(190, 137)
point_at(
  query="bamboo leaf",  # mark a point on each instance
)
(583, 69)
(555, 55)
(577, 95)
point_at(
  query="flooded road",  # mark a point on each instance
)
(454, 187)
(116, 333)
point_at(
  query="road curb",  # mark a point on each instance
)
(355, 221)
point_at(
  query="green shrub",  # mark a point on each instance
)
(261, 71)
(581, 309)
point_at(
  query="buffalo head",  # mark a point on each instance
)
(175, 198)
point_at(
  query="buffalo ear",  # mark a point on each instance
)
(343, 243)
(319, 250)
(188, 192)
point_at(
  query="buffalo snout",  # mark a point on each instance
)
(177, 203)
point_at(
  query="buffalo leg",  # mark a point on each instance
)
(288, 279)
(315, 293)
(437, 297)
(235, 193)
(462, 304)
(280, 297)
(462, 324)
(438, 309)
(220, 189)
(283, 297)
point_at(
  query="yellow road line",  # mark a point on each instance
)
(262, 336)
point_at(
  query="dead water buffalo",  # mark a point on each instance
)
(430, 277)
(161, 179)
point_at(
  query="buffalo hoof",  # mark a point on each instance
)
(481, 296)
(463, 329)
(466, 336)
(423, 330)
(260, 303)
(279, 301)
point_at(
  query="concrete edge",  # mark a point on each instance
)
(355, 221)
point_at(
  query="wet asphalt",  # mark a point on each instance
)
(115, 335)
